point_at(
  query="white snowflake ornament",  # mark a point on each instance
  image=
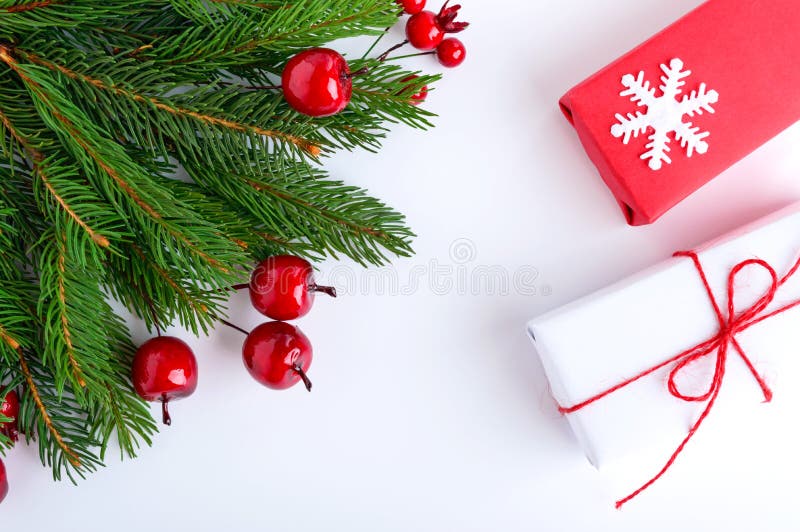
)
(665, 114)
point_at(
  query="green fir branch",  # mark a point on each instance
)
(147, 157)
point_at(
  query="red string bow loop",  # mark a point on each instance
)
(730, 324)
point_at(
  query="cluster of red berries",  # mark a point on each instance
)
(426, 30)
(275, 353)
(8, 409)
(318, 82)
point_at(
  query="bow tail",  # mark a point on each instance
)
(765, 389)
(719, 374)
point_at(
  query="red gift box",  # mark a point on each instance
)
(676, 111)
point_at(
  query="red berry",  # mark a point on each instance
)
(10, 408)
(3, 482)
(451, 52)
(278, 355)
(283, 288)
(412, 7)
(419, 96)
(317, 82)
(164, 369)
(425, 30)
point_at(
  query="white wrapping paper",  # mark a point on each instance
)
(607, 337)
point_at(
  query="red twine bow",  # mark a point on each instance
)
(729, 327)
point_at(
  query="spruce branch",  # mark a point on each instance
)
(158, 104)
(147, 155)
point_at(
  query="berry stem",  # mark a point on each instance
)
(330, 290)
(299, 370)
(385, 55)
(418, 54)
(232, 326)
(359, 72)
(165, 417)
(381, 58)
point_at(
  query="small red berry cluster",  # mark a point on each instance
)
(277, 354)
(318, 82)
(426, 30)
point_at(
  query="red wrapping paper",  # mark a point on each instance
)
(744, 88)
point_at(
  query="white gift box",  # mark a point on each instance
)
(608, 337)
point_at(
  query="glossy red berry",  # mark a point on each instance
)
(418, 97)
(317, 82)
(278, 355)
(283, 287)
(451, 52)
(423, 32)
(164, 368)
(426, 30)
(10, 408)
(412, 7)
(3, 481)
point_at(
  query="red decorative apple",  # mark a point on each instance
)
(283, 287)
(317, 82)
(164, 369)
(278, 355)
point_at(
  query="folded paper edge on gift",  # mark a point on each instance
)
(558, 392)
(634, 215)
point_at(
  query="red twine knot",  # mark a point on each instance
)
(730, 325)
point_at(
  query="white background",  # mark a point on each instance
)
(429, 411)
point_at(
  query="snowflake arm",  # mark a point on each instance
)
(657, 150)
(691, 138)
(699, 101)
(631, 126)
(673, 79)
(638, 89)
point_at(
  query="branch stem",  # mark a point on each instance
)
(329, 290)
(72, 457)
(165, 417)
(385, 55)
(419, 54)
(297, 368)
(232, 326)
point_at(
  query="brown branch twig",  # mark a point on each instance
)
(71, 455)
(304, 144)
(65, 329)
(36, 158)
(28, 7)
(8, 339)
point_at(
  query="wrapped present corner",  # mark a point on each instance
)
(675, 112)
(639, 365)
